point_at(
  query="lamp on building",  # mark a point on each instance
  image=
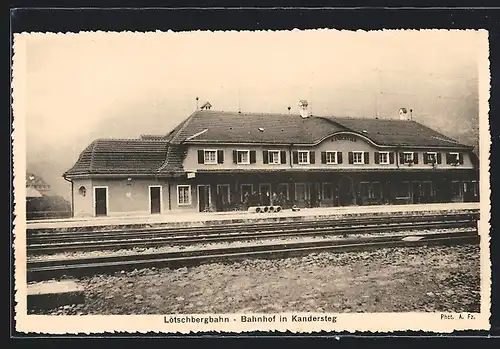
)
(129, 181)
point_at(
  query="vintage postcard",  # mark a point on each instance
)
(302, 180)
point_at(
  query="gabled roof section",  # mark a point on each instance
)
(236, 127)
(395, 132)
(210, 126)
(120, 156)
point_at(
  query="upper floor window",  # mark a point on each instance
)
(303, 157)
(243, 156)
(430, 158)
(358, 157)
(274, 157)
(383, 157)
(454, 158)
(331, 157)
(210, 156)
(408, 157)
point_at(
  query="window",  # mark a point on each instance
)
(243, 156)
(403, 190)
(408, 157)
(283, 190)
(331, 157)
(383, 157)
(358, 157)
(183, 195)
(327, 191)
(300, 191)
(246, 191)
(453, 158)
(210, 156)
(303, 157)
(274, 157)
(431, 158)
(455, 188)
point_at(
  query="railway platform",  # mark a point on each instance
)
(204, 219)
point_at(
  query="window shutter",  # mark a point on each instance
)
(415, 157)
(461, 158)
(235, 156)
(339, 157)
(312, 157)
(295, 157)
(377, 157)
(323, 157)
(426, 160)
(448, 160)
(283, 156)
(201, 156)
(438, 158)
(265, 156)
(220, 156)
(391, 157)
(367, 157)
(351, 158)
(253, 159)
(401, 158)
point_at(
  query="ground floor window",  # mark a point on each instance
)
(403, 190)
(183, 195)
(327, 191)
(283, 191)
(246, 192)
(370, 190)
(300, 191)
(223, 193)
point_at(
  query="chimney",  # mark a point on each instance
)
(403, 114)
(304, 112)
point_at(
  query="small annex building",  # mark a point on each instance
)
(224, 161)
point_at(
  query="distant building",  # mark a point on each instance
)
(35, 185)
(40, 204)
(217, 161)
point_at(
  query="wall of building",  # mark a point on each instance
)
(83, 205)
(124, 197)
(334, 143)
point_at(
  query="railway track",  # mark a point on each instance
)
(56, 268)
(53, 242)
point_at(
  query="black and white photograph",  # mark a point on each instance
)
(233, 181)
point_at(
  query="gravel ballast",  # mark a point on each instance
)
(422, 279)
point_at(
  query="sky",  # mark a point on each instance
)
(79, 87)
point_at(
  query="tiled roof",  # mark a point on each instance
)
(234, 127)
(153, 155)
(123, 156)
(395, 132)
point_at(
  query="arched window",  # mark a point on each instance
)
(82, 190)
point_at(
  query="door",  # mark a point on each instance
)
(346, 192)
(101, 201)
(265, 194)
(416, 191)
(301, 194)
(223, 197)
(314, 194)
(204, 198)
(155, 199)
(427, 192)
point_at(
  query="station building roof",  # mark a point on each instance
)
(160, 155)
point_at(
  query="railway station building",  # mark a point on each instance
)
(225, 161)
